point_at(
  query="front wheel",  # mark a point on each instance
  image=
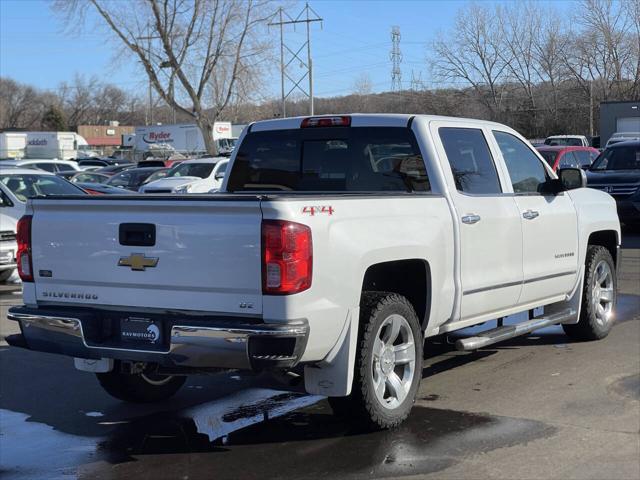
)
(598, 296)
(140, 387)
(388, 365)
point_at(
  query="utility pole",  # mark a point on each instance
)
(396, 58)
(306, 16)
(164, 64)
(591, 108)
(148, 38)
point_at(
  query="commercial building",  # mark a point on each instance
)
(105, 137)
(618, 117)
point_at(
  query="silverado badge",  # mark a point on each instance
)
(138, 262)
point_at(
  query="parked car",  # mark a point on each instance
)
(8, 245)
(564, 157)
(133, 178)
(152, 163)
(17, 185)
(157, 175)
(90, 177)
(67, 174)
(192, 176)
(567, 141)
(103, 189)
(622, 137)
(48, 165)
(338, 245)
(102, 162)
(617, 172)
(113, 169)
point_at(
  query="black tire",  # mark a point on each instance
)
(139, 388)
(5, 275)
(589, 326)
(363, 405)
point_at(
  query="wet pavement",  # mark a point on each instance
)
(539, 406)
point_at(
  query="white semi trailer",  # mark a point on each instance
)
(181, 137)
(13, 144)
(61, 145)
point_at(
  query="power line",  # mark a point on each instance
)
(306, 16)
(396, 59)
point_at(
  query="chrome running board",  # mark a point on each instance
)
(506, 332)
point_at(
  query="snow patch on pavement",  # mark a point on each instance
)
(244, 408)
(35, 450)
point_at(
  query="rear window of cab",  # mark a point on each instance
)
(334, 159)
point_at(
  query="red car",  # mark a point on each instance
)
(563, 157)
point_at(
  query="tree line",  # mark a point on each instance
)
(525, 64)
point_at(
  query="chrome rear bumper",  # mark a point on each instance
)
(244, 347)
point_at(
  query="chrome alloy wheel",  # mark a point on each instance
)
(393, 361)
(602, 293)
(155, 379)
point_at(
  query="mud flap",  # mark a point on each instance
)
(574, 302)
(333, 376)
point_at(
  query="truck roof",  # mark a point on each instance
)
(361, 120)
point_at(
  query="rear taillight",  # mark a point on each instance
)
(23, 237)
(287, 257)
(339, 121)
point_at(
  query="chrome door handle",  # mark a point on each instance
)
(530, 214)
(471, 218)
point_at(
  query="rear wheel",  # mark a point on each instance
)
(144, 387)
(598, 296)
(388, 365)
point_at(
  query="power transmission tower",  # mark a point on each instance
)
(416, 81)
(396, 57)
(306, 16)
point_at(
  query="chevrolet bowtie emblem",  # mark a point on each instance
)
(138, 262)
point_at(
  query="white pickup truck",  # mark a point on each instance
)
(336, 246)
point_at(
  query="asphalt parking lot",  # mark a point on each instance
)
(540, 406)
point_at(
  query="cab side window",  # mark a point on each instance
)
(525, 168)
(470, 159)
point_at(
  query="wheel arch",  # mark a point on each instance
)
(409, 277)
(607, 239)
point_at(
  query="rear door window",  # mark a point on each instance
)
(472, 165)
(359, 159)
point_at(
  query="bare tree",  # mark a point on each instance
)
(548, 49)
(199, 55)
(604, 51)
(471, 52)
(362, 84)
(78, 99)
(20, 105)
(519, 23)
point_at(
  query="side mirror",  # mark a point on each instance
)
(219, 176)
(572, 178)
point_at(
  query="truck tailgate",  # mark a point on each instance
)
(205, 256)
